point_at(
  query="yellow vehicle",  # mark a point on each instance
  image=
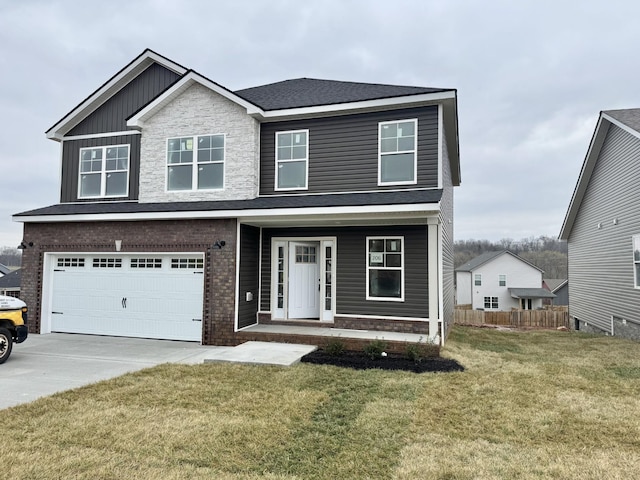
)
(13, 324)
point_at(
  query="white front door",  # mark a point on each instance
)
(304, 280)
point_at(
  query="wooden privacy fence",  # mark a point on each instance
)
(551, 318)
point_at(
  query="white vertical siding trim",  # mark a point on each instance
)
(440, 145)
(435, 285)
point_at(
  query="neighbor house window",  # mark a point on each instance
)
(491, 302)
(385, 268)
(636, 259)
(292, 160)
(397, 146)
(502, 280)
(195, 163)
(104, 171)
(477, 280)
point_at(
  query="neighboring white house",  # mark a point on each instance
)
(500, 281)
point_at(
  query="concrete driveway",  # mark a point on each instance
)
(46, 364)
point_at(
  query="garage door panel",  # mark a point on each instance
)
(147, 303)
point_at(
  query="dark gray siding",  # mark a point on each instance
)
(248, 282)
(562, 295)
(112, 115)
(351, 288)
(343, 151)
(71, 162)
(601, 259)
(446, 224)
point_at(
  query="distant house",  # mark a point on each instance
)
(10, 284)
(500, 281)
(602, 230)
(4, 270)
(560, 288)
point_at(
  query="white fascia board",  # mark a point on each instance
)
(405, 101)
(265, 213)
(109, 89)
(597, 140)
(137, 121)
(624, 127)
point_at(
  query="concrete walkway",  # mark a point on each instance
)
(46, 364)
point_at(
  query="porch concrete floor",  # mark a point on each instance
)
(338, 332)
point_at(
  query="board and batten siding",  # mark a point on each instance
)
(351, 269)
(71, 165)
(601, 271)
(248, 282)
(112, 115)
(343, 151)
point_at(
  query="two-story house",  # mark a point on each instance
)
(602, 230)
(188, 211)
(500, 281)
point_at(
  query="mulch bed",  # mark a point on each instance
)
(360, 361)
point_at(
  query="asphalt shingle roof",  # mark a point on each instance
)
(11, 280)
(479, 260)
(629, 116)
(308, 92)
(287, 201)
(530, 293)
(4, 270)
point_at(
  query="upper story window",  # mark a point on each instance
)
(636, 260)
(385, 268)
(104, 171)
(195, 163)
(397, 147)
(292, 160)
(477, 279)
(502, 280)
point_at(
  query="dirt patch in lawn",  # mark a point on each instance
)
(361, 361)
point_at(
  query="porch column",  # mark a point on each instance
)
(434, 275)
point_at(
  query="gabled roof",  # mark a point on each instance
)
(629, 121)
(555, 284)
(309, 92)
(4, 270)
(486, 257)
(108, 89)
(11, 280)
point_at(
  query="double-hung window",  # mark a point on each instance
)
(397, 147)
(636, 260)
(385, 268)
(502, 280)
(491, 302)
(195, 163)
(292, 160)
(104, 171)
(477, 279)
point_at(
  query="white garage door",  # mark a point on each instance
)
(141, 295)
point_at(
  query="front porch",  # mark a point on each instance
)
(352, 339)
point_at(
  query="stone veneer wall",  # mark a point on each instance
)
(199, 111)
(143, 236)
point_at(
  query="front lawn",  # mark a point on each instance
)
(529, 405)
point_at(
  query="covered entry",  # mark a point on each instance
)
(143, 295)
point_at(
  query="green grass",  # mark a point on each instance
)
(532, 405)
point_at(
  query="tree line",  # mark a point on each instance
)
(547, 253)
(10, 257)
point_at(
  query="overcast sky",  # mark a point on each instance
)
(531, 77)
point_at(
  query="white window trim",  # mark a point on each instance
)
(491, 307)
(195, 163)
(306, 162)
(479, 275)
(415, 153)
(400, 268)
(505, 279)
(635, 238)
(103, 171)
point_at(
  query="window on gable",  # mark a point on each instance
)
(292, 160)
(195, 163)
(385, 268)
(502, 280)
(491, 302)
(477, 280)
(104, 171)
(636, 260)
(397, 152)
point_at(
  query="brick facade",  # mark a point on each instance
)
(143, 236)
(199, 111)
